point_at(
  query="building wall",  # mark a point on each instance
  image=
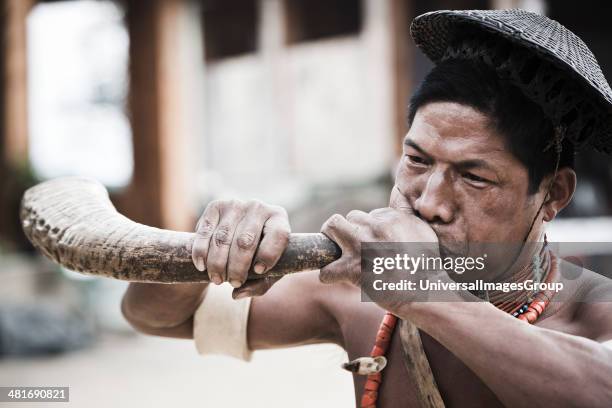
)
(292, 115)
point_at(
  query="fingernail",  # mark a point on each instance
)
(235, 283)
(259, 268)
(217, 280)
(200, 264)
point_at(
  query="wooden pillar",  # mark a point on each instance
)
(13, 87)
(3, 49)
(159, 194)
(13, 119)
(403, 49)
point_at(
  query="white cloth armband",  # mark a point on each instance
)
(220, 323)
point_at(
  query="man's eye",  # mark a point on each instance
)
(473, 177)
(416, 159)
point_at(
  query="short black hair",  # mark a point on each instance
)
(527, 131)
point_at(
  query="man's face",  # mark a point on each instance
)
(459, 177)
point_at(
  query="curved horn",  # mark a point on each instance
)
(73, 222)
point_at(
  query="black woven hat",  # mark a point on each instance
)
(549, 63)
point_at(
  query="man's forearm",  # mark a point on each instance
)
(522, 364)
(161, 306)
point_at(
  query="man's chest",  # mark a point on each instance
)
(457, 384)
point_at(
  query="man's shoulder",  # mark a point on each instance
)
(589, 301)
(585, 286)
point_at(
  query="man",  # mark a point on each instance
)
(487, 158)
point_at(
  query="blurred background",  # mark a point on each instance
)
(173, 103)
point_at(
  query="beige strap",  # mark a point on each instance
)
(415, 361)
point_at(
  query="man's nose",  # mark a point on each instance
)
(435, 203)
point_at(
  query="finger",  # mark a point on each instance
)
(255, 287)
(383, 213)
(346, 235)
(204, 230)
(220, 242)
(339, 230)
(334, 272)
(244, 244)
(358, 217)
(398, 201)
(275, 237)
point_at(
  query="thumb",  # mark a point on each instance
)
(398, 201)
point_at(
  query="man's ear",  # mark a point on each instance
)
(561, 192)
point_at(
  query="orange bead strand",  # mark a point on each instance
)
(383, 338)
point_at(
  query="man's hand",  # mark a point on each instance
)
(233, 235)
(396, 223)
